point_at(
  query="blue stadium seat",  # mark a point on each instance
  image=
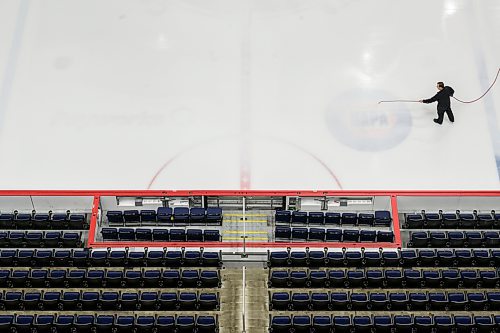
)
(151, 277)
(342, 324)
(299, 217)
(320, 301)
(372, 258)
(181, 215)
(283, 216)
(374, 278)
(393, 278)
(463, 324)
(301, 324)
(126, 234)
(214, 215)
(485, 221)
(51, 300)
(333, 235)
(415, 221)
(382, 324)
(322, 324)
(109, 300)
(209, 279)
(444, 324)
(438, 301)
(23, 323)
(399, 301)
(161, 235)
(276, 258)
(43, 323)
(450, 220)
(350, 235)
(349, 218)
(467, 220)
(298, 279)
(484, 324)
(281, 324)
(197, 214)
(457, 301)
(206, 324)
(367, 236)
(283, 232)
(148, 301)
(366, 219)
(165, 323)
(317, 234)
(318, 279)
(332, 218)
(177, 235)
(76, 221)
(131, 216)
(362, 324)
(145, 235)
(300, 234)
(6, 221)
(192, 258)
(423, 324)
(84, 323)
(23, 221)
(171, 279)
(433, 220)
(385, 236)
(185, 324)
(378, 301)
(40, 221)
(335, 259)
(208, 301)
(187, 301)
(109, 233)
(129, 301)
(316, 258)
(164, 214)
(173, 258)
(168, 301)
(115, 216)
(211, 235)
(316, 217)
(190, 278)
(403, 323)
(382, 218)
(359, 301)
(90, 300)
(355, 278)
(148, 215)
(339, 301)
(278, 279)
(194, 235)
(298, 258)
(300, 301)
(104, 323)
(474, 238)
(280, 300)
(418, 301)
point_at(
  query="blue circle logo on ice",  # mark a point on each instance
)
(357, 120)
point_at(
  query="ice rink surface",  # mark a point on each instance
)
(258, 94)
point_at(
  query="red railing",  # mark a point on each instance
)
(96, 194)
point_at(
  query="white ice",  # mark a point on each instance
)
(261, 94)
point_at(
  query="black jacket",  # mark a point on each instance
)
(442, 97)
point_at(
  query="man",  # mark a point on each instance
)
(443, 99)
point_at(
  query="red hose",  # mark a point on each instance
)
(459, 100)
(477, 99)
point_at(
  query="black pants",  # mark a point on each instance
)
(441, 113)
